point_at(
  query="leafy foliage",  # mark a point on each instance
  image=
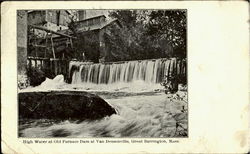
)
(171, 26)
(147, 34)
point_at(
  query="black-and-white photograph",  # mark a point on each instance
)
(102, 73)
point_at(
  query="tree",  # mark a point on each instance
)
(171, 26)
(148, 34)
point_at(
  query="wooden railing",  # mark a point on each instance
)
(50, 66)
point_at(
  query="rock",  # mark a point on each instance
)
(63, 105)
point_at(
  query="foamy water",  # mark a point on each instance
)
(143, 111)
(58, 84)
(138, 116)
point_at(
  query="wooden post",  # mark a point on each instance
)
(59, 66)
(35, 63)
(51, 68)
(71, 42)
(52, 45)
(41, 64)
(30, 64)
(35, 46)
(46, 43)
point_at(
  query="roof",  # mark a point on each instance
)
(92, 18)
(31, 11)
(99, 26)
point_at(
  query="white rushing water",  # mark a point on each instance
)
(142, 112)
(139, 116)
(132, 88)
(58, 84)
(149, 71)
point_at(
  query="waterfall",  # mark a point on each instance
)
(150, 71)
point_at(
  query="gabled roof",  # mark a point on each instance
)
(31, 11)
(108, 22)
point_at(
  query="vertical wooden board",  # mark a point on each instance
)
(42, 63)
(67, 68)
(56, 67)
(63, 67)
(30, 64)
(38, 64)
(51, 67)
(35, 63)
(52, 46)
(59, 66)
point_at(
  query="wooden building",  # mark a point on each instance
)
(51, 19)
(92, 31)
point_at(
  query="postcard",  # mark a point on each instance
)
(125, 77)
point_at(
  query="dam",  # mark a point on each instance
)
(149, 71)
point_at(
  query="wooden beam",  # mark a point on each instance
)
(51, 31)
(71, 42)
(52, 45)
(40, 58)
(37, 45)
(46, 44)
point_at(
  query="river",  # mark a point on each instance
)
(144, 110)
